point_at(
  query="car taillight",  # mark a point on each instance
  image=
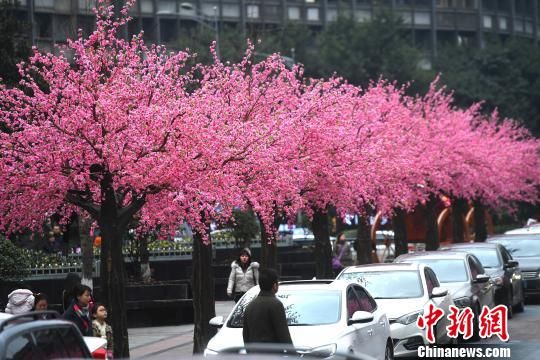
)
(100, 353)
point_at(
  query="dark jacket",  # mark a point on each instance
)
(265, 321)
(83, 322)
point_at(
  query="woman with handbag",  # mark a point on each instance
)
(341, 254)
(244, 275)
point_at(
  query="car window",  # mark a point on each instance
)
(447, 270)
(521, 247)
(20, 348)
(54, 343)
(433, 278)
(429, 282)
(302, 307)
(388, 284)
(366, 302)
(72, 342)
(505, 254)
(353, 303)
(487, 256)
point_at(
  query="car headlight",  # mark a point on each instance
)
(462, 302)
(409, 318)
(323, 351)
(208, 352)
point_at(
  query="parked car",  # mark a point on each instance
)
(403, 291)
(526, 250)
(464, 277)
(42, 335)
(324, 317)
(533, 229)
(503, 270)
(302, 236)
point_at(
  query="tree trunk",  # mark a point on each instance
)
(268, 249)
(113, 272)
(202, 282)
(87, 250)
(400, 232)
(146, 275)
(480, 228)
(363, 241)
(323, 249)
(459, 206)
(432, 228)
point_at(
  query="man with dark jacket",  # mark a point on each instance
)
(264, 317)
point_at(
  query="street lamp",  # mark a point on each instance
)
(201, 19)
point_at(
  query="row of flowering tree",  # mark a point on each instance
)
(117, 131)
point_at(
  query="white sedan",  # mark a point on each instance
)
(403, 291)
(325, 317)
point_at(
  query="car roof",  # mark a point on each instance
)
(458, 255)
(314, 285)
(383, 267)
(471, 245)
(534, 237)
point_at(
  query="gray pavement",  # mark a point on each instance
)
(167, 341)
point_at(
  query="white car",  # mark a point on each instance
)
(528, 230)
(325, 317)
(403, 291)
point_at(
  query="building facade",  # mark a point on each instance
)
(431, 22)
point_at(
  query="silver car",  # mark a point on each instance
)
(404, 291)
(325, 317)
(464, 277)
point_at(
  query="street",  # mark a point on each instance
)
(177, 341)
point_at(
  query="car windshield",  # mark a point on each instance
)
(388, 284)
(302, 307)
(447, 270)
(521, 247)
(488, 257)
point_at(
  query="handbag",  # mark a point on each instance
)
(336, 260)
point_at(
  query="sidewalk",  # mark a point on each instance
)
(168, 341)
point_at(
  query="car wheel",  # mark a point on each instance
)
(389, 351)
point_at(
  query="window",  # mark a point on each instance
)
(429, 282)
(366, 302)
(476, 267)
(487, 21)
(353, 304)
(313, 14)
(253, 11)
(447, 270)
(503, 23)
(20, 347)
(433, 277)
(231, 10)
(422, 18)
(488, 257)
(293, 13)
(388, 284)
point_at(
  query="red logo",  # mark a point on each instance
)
(428, 321)
(494, 322)
(461, 322)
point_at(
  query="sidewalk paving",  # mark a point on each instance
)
(168, 341)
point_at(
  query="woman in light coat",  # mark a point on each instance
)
(244, 275)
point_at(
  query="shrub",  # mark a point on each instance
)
(14, 265)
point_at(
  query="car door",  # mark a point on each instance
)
(357, 334)
(442, 302)
(377, 332)
(512, 275)
(482, 291)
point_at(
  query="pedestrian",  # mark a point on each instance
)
(341, 254)
(264, 317)
(41, 302)
(100, 327)
(72, 280)
(52, 246)
(244, 275)
(79, 311)
(20, 301)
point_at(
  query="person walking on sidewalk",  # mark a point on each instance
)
(264, 317)
(244, 275)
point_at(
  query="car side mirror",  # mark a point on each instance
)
(438, 292)
(511, 264)
(360, 317)
(481, 278)
(216, 322)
